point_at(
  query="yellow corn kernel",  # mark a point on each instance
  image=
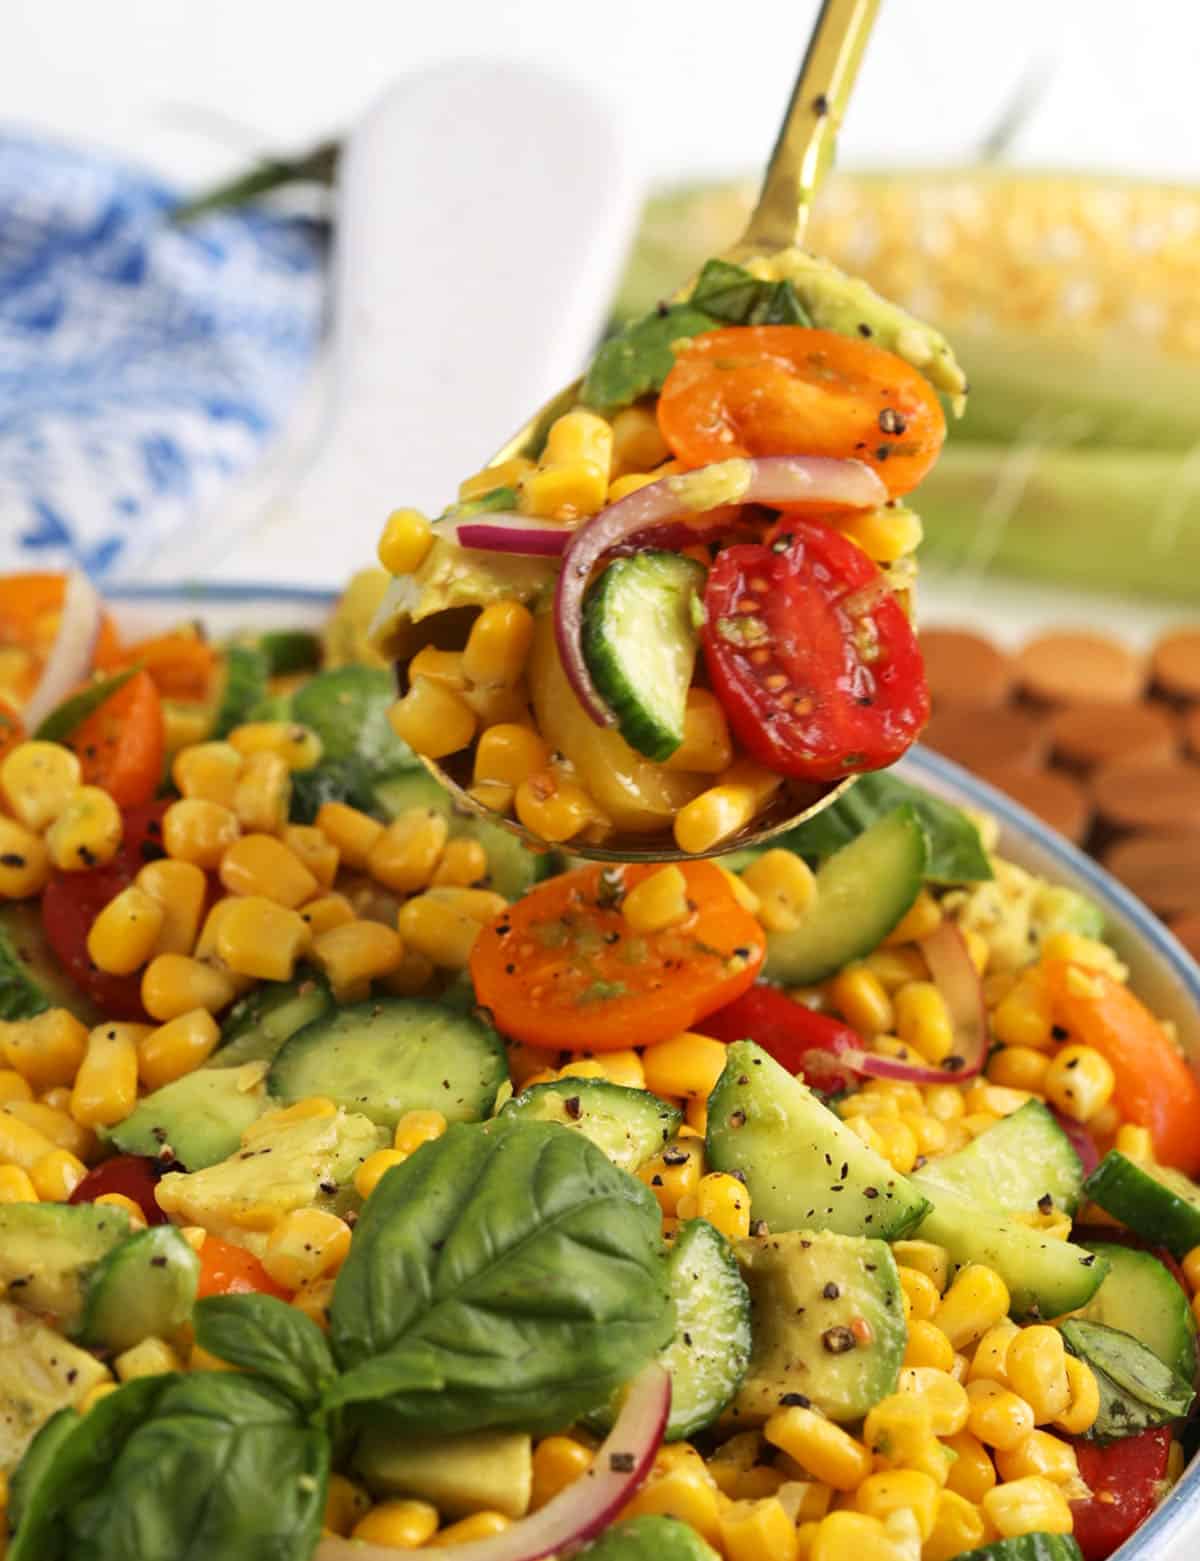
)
(87, 831)
(498, 645)
(124, 935)
(174, 984)
(401, 1525)
(331, 910)
(504, 474)
(622, 487)
(995, 1098)
(685, 1491)
(509, 753)
(1080, 950)
(563, 492)
(928, 1346)
(24, 861)
(179, 889)
(1036, 1368)
(151, 1358)
(416, 1128)
(1020, 1068)
(45, 1050)
(786, 888)
(979, 950)
(105, 1089)
(184, 724)
(304, 1246)
(830, 1454)
(674, 1173)
(707, 748)
(558, 1461)
(724, 809)
(923, 1020)
(884, 534)
(1040, 1454)
(895, 1490)
(199, 832)
(297, 745)
(208, 772)
(36, 780)
(479, 1526)
(57, 1125)
(59, 1096)
(898, 1143)
(1023, 1016)
(958, 1526)
(923, 916)
(861, 998)
(260, 938)
(353, 833)
(998, 1417)
(1084, 1406)
(657, 902)
(725, 1203)
(21, 1145)
(975, 1302)
(56, 1175)
(440, 666)
(637, 442)
(1079, 1081)
(132, 1210)
(374, 1168)
(1029, 1506)
(12, 1085)
(687, 1065)
(945, 1398)
(748, 900)
(977, 1122)
(926, 1258)
(314, 1301)
(852, 1536)
(93, 1396)
(972, 1474)
(177, 1047)
(16, 1186)
(618, 1067)
(1190, 1263)
(579, 435)
(944, 1101)
(356, 952)
(756, 1484)
(864, 1127)
(345, 1502)
(896, 967)
(991, 1354)
(411, 976)
(263, 867)
(432, 720)
(898, 1429)
(555, 809)
(263, 794)
(923, 1295)
(757, 1531)
(406, 855)
(442, 933)
(406, 540)
(930, 1134)
(1134, 1142)
(464, 863)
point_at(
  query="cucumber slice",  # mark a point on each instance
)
(244, 685)
(639, 641)
(258, 1024)
(863, 891)
(144, 1287)
(31, 978)
(391, 1055)
(629, 1125)
(803, 1167)
(1028, 1547)
(348, 709)
(1017, 1164)
(1137, 1391)
(1154, 1201)
(1142, 1298)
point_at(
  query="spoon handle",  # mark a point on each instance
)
(804, 147)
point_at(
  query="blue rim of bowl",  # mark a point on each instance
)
(191, 593)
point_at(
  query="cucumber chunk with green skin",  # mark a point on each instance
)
(640, 641)
(802, 1166)
(862, 892)
(290, 650)
(1045, 1277)
(258, 1024)
(243, 686)
(1137, 1391)
(629, 1125)
(1141, 1297)
(810, 1293)
(649, 1538)
(49, 1250)
(391, 1055)
(1023, 1160)
(1154, 1201)
(196, 1120)
(348, 708)
(146, 1286)
(1028, 1547)
(31, 977)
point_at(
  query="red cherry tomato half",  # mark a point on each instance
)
(812, 657)
(800, 1040)
(227, 1269)
(1125, 1479)
(72, 901)
(131, 1174)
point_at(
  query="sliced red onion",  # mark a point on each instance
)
(507, 533)
(772, 480)
(584, 1508)
(72, 653)
(1082, 1141)
(945, 952)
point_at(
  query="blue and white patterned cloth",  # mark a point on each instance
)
(142, 366)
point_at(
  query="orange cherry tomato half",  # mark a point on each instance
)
(226, 1269)
(1155, 1088)
(121, 745)
(563, 968)
(181, 663)
(30, 605)
(789, 390)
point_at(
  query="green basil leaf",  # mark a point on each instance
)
(638, 359)
(956, 853)
(495, 500)
(734, 297)
(508, 1274)
(73, 712)
(1137, 1389)
(264, 1335)
(780, 306)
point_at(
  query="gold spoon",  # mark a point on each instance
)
(801, 156)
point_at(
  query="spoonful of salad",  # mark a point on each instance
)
(673, 616)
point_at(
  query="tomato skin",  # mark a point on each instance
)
(800, 1040)
(562, 968)
(121, 746)
(28, 602)
(811, 656)
(1125, 1481)
(134, 1175)
(72, 901)
(790, 390)
(227, 1269)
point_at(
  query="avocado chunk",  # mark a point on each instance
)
(649, 1538)
(49, 1250)
(477, 1471)
(196, 1120)
(40, 1373)
(31, 977)
(282, 1165)
(827, 1322)
(145, 1286)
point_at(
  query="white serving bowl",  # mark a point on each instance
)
(1161, 971)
